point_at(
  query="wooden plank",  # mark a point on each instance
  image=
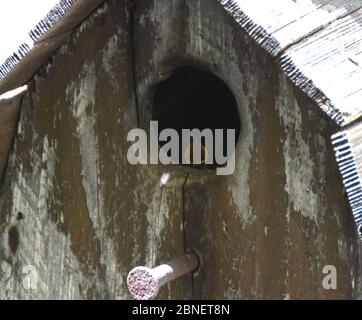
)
(316, 42)
(332, 58)
(324, 13)
(88, 216)
(9, 111)
(47, 45)
(268, 230)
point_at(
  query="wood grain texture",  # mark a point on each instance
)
(347, 146)
(9, 112)
(317, 44)
(266, 231)
(47, 45)
(331, 58)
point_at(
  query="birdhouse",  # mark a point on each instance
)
(278, 219)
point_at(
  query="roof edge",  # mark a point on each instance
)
(49, 34)
(269, 43)
(44, 25)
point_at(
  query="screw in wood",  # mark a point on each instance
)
(144, 283)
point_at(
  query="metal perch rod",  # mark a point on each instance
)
(144, 283)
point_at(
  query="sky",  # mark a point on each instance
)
(17, 18)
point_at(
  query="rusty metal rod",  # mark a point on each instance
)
(144, 283)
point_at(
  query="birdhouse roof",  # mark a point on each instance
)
(317, 43)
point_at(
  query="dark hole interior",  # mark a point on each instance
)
(191, 98)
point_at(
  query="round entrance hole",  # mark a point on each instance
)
(191, 98)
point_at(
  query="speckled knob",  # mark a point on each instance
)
(144, 283)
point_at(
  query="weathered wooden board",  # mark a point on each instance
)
(47, 45)
(9, 112)
(327, 32)
(289, 21)
(318, 44)
(347, 146)
(88, 216)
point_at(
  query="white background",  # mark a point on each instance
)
(17, 18)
